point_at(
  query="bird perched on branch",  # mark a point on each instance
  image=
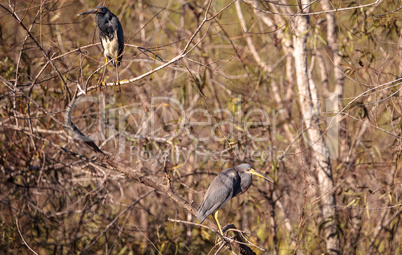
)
(229, 183)
(111, 36)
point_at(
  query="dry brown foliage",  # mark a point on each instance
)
(208, 85)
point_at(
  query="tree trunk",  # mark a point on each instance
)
(310, 110)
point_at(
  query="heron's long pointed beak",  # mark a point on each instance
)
(88, 12)
(252, 171)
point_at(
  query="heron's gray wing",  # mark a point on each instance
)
(120, 38)
(219, 193)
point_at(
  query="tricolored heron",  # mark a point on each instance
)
(229, 183)
(110, 34)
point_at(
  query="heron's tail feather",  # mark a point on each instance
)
(201, 216)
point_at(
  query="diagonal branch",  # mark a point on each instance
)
(43, 51)
(186, 50)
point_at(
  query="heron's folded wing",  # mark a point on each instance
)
(218, 194)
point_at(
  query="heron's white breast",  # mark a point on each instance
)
(111, 47)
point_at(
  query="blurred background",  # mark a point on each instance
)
(313, 101)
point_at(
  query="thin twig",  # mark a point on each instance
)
(43, 51)
(23, 240)
(115, 219)
(301, 13)
(186, 50)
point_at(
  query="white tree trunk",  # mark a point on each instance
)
(320, 153)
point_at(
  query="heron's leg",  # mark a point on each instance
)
(103, 73)
(217, 222)
(117, 73)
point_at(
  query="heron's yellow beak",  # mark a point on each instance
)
(252, 171)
